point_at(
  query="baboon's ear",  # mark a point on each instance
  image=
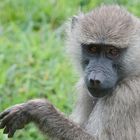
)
(74, 20)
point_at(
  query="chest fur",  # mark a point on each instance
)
(111, 122)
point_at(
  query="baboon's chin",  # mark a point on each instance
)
(97, 93)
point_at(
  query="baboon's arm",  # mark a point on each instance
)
(46, 116)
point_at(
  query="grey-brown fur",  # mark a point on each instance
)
(115, 117)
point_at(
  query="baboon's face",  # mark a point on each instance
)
(102, 67)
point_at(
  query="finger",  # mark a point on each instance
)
(5, 121)
(6, 130)
(11, 133)
(2, 125)
(4, 113)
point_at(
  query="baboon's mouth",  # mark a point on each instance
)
(99, 93)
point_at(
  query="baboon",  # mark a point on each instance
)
(104, 45)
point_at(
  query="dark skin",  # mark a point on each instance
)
(101, 65)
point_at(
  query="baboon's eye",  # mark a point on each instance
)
(112, 51)
(92, 49)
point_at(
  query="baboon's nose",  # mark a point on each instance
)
(95, 80)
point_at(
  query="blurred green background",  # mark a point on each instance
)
(32, 53)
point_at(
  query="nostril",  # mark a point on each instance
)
(91, 81)
(97, 82)
(94, 82)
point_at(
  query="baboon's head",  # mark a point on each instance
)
(105, 45)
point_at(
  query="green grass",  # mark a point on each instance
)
(32, 53)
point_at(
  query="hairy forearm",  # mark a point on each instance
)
(50, 121)
(53, 123)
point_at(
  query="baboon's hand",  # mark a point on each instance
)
(14, 118)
